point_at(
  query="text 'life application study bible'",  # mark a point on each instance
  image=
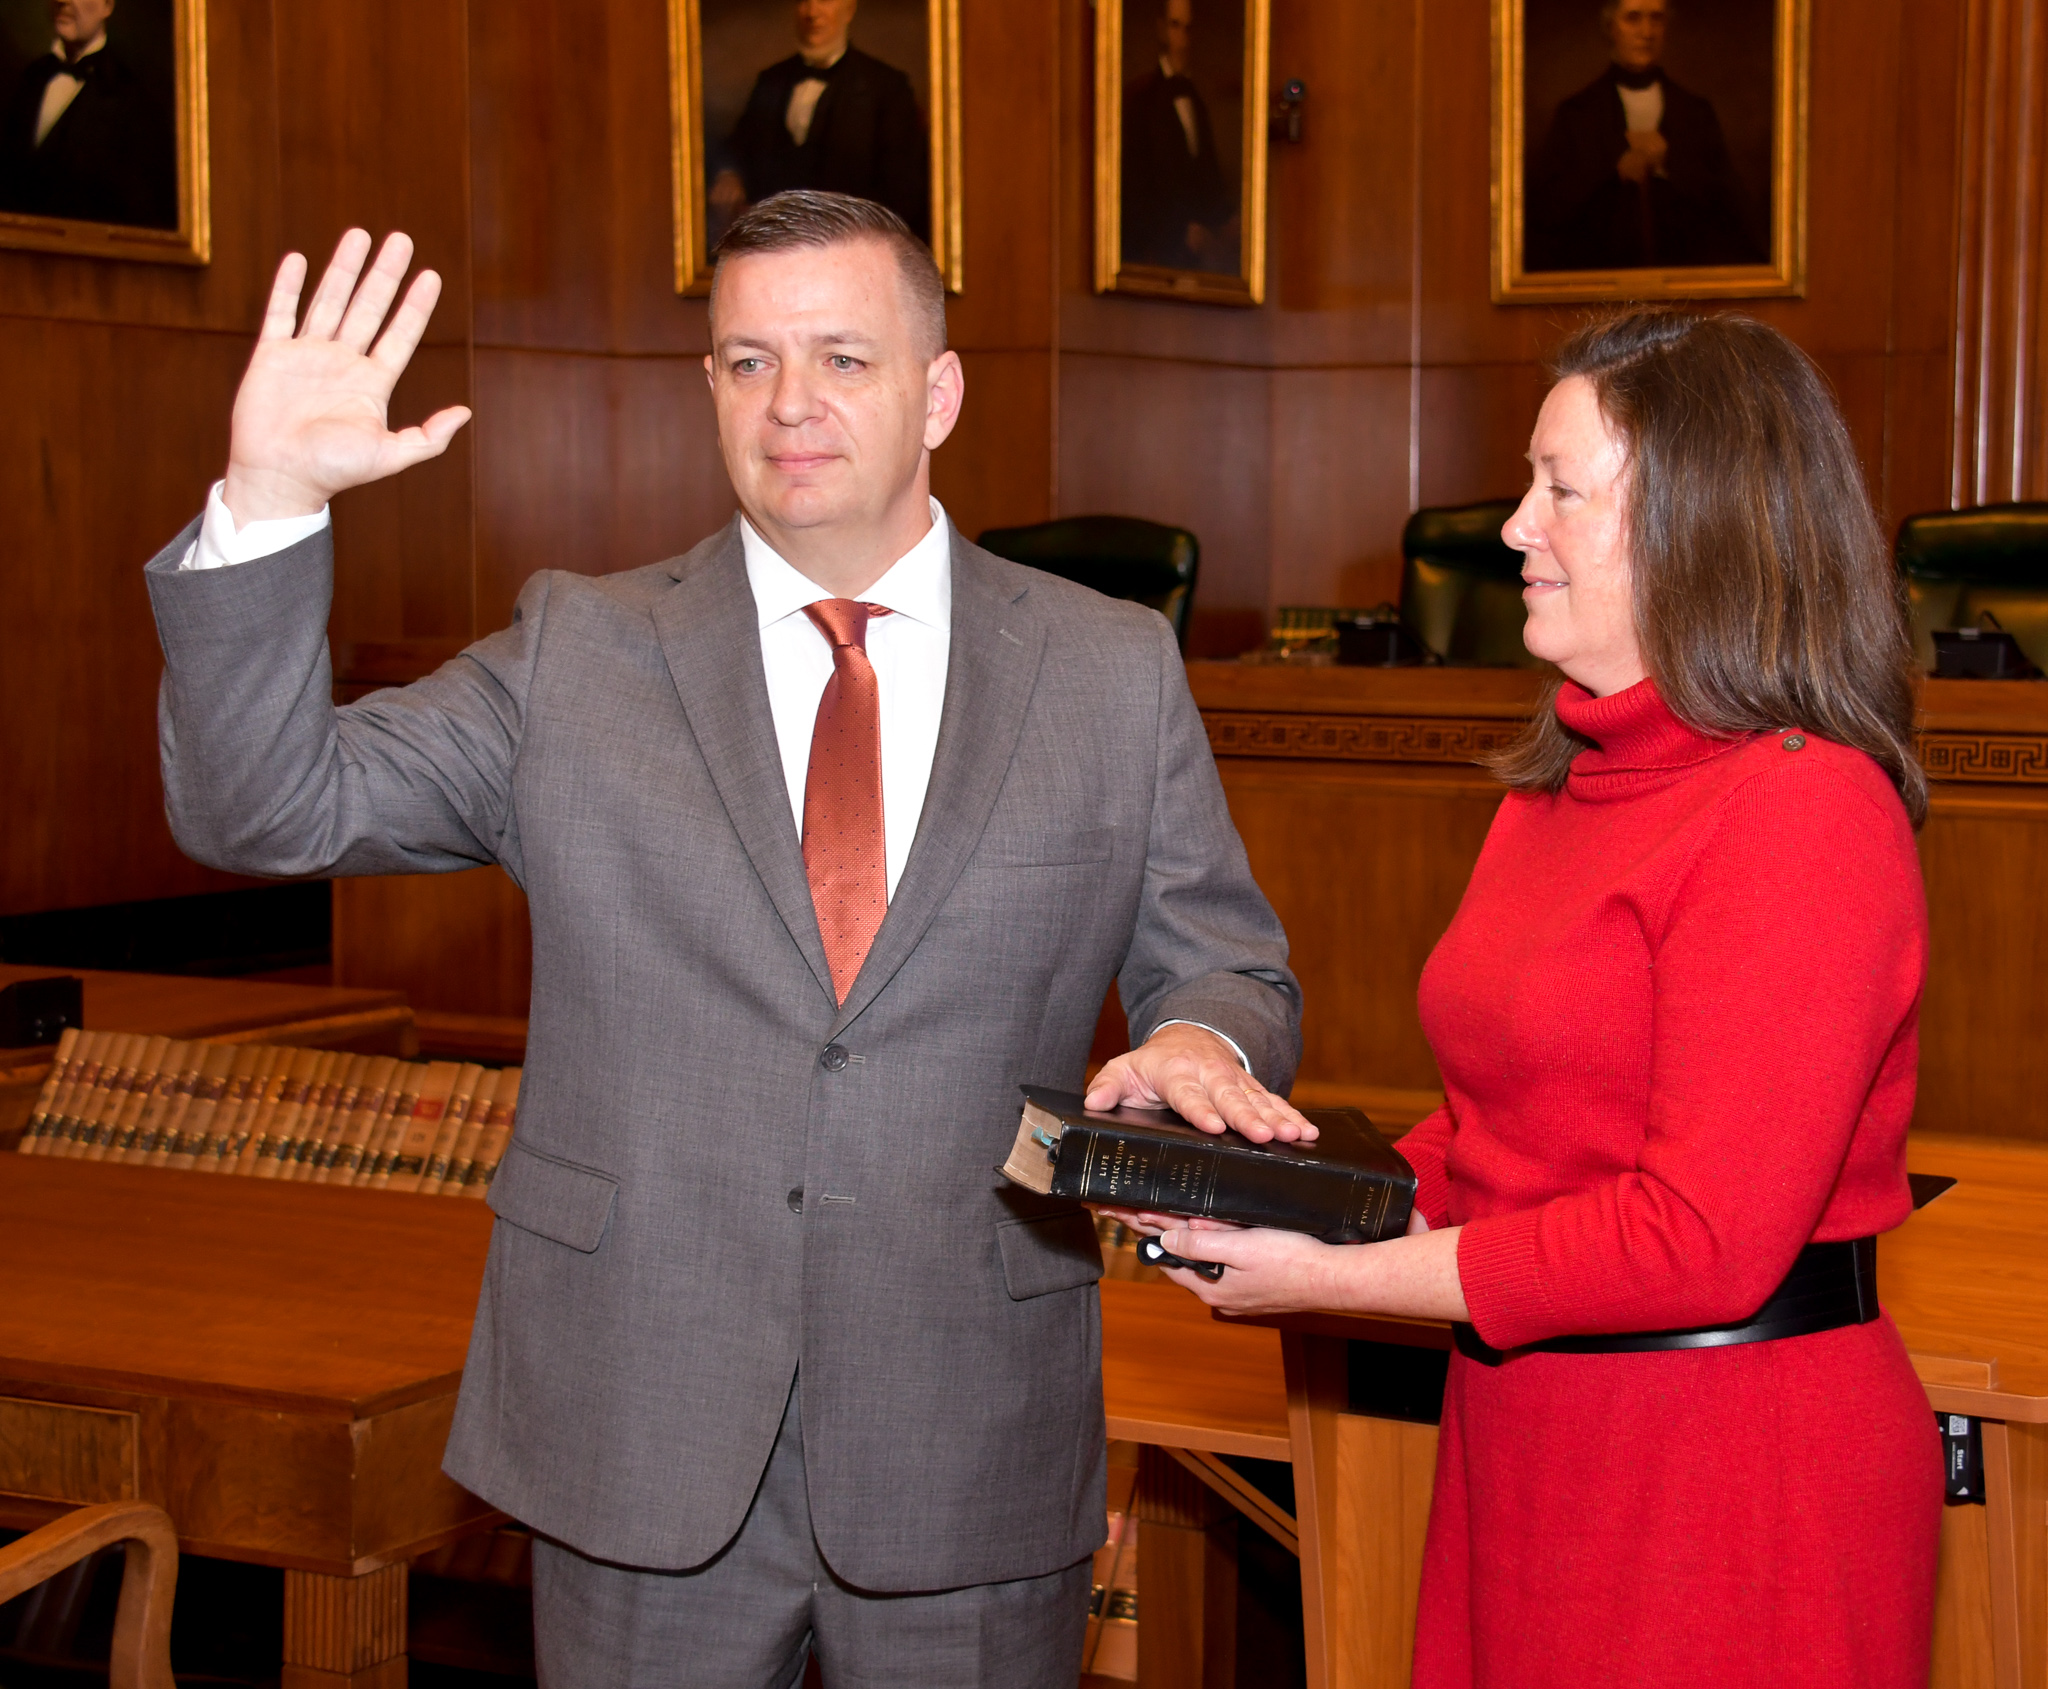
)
(1347, 1187)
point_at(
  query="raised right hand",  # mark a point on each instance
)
(311, 417)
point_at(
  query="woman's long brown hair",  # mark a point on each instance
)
(1765, 595)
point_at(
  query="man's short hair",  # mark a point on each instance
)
(806, 217)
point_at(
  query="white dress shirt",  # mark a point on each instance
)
(909, 649)
(62, 89)
(1642, 108)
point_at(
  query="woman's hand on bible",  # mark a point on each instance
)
(1275, 1272)
(1268, 1272)
(311, 416)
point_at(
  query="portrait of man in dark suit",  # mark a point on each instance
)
(831, 117)
(84, 134)
(1180, 210)
(1635, 171)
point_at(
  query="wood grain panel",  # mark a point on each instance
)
(1341, 436)
(1406, 839)
(1474, 435)
(1962, 1603)
(1386, 1471)
(59, 1452)
(459, 943)
(1983, 1063)
(91, 490)
(1176, 442)
(983, 474)
(591, 464)
(344, 1625)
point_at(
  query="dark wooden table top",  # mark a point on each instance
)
(308, 1299)
(191, 1006)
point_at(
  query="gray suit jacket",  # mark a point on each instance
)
(702, 1194)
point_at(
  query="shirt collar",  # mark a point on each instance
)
(57, 49)
(919, 584)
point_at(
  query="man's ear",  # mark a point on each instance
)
(945, 392)
(710, 372)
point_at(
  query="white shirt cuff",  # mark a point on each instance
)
(220, 544)
(1236, 1049)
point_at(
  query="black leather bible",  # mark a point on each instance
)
(1349, 1186)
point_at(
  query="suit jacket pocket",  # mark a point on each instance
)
(556, 1199)
(1053, 1252)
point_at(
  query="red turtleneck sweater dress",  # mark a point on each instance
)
(1676, 1017)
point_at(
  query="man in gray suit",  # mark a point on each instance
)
(834, 830)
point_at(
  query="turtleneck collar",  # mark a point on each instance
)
(1637, 742)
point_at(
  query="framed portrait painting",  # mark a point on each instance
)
(1180, 149)
(855, 96)
(103, 128)
(1649, 149)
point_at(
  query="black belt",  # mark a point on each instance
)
(1830, 1285)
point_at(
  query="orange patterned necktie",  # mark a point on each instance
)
(844, 856)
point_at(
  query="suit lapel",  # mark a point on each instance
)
(710, 634)
(991, 668)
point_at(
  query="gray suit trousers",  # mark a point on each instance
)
(749, 1617)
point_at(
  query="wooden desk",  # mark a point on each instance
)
(228, 1011)
(273, 1364)
(1966, 1280)
(1363, 812)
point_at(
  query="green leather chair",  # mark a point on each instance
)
(1960, 563)
(1122, 556)
(1461, 587)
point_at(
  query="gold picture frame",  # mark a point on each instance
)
(1128, 260)
(691, 151)
(191, 242)
(1778, 267)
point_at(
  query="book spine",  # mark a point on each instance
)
(112, 1139)
(280, 1132)
(195, 1128)
(180, 1067)
(62, 1076)
(353, 1134)
(103, 1101)
(394, 1127)
(497, 1133)
(170, 1129)
(430, 1107)
(463, 1155)
(316, 1142)
(91, 1053)
(237, 1106)
(139, 1128)
(460, 1098)
(1102, 1164)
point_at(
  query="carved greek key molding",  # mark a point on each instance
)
(2019, 759)
(1356, 738)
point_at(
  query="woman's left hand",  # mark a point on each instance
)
(1269, 1272)
(1274, 1272)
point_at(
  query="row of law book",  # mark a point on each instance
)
(275, 1112)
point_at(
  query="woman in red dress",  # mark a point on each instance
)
(1676, 1016)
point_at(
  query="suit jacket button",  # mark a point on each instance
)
(834, 1059)
(796, 1200)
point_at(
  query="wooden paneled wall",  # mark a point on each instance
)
(1379, 377)
(524, 143)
